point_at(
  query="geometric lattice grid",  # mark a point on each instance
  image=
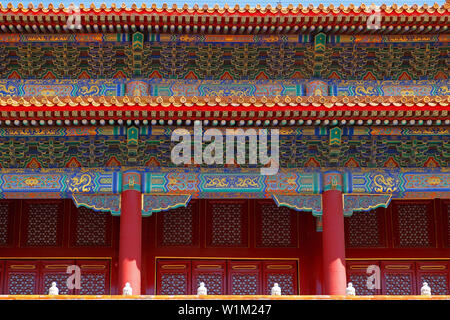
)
(413, 225)
(61, 282)
(178, 227)
(213, 282)
(398, 284)
(91, 228)
(437, 282)
(4, 224)
(448, 225)
(359, 281)
(276, 227)
(364, 229)
(21, 283)
(244, 284)
(227, 224)
(93, 283)
(43, 223)
(285, 282)
(174, 284)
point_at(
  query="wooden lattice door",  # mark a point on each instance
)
(212, 273)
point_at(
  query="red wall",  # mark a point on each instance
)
(200, 233)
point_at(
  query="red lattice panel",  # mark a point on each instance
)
(6, 223)
(21, 277)
(284, 273)
(413, 224)
(93, 283)
(398, 278)
(227, 223)
(275, 226)
(174, 277)
(43, 223)
(244, 277)
(54, 271)
(446, 217)
(435, 273)
(95, 277)
(92, 228)
(61, 283)
(357, 274)
(212, 273)
(365, 229)
(21, 283)
(178, 227)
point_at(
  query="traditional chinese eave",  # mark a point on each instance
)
(244, 110)
(226, 20)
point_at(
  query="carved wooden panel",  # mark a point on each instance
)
(398, 278)
(435, 273)
(179, 227)
(90, 228)
(7, 214)
(54, 271)
(282, 272)
(42, 223)
(227, 223)
(365, 283)
(173, 277)
(413, 223)
(244, 277)
(21, 277)
(95, 277)
(212, 273)
(446, 222)
(366, 229)
(275, 226)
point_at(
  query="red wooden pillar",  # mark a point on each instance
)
(130, 239)
(333, 235)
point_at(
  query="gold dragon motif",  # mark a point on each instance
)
(384, 184)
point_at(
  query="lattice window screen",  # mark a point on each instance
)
(177, 227)
(44, 224)
(227, 224)
(365, 229)
(5, 223)
(414, 225)
(276, 226)
(91, 228)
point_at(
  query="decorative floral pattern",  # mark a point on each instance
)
(61, 282)
(244, 284)
(173, 284)
(21, 283)
(364, 229)
(276, 227)
(43, 224)
(398, 284)
(178, 227)
(213, 282)
(284, 280)
(226, 220)
(413, 225)
(437, 282)
(4, 223)
(93, 283)
(91, 228)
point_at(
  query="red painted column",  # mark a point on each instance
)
(333, 235)
(130, 238)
